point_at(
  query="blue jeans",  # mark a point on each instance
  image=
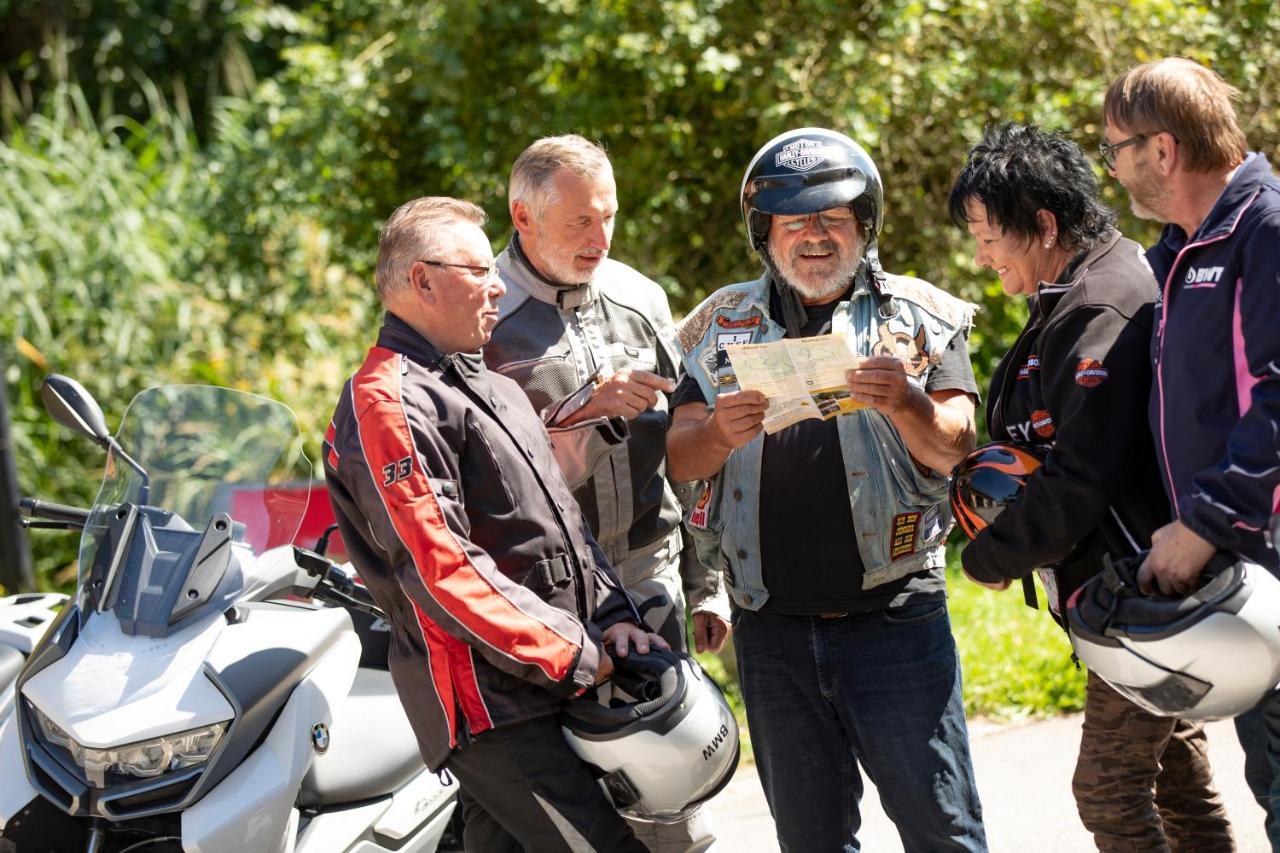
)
(880, 689)
(1259, 734)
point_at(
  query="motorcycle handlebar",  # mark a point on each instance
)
(334, 585)
(48, 511)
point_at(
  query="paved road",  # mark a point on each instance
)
(1024, 776)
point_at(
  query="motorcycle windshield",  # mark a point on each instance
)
(204, 479)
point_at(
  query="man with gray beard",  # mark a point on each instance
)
(831, 533)
(591, 343)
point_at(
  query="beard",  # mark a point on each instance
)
(1148, 197)
(816, 285)
(558, 266)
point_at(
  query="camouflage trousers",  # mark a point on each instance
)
(1142, 783)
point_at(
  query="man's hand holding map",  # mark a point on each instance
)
(801, 377)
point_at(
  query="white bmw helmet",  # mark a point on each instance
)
(670, 744)
(1213, 653)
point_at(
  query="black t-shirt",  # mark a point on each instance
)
(808, 543)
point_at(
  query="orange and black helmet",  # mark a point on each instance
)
(988, 480)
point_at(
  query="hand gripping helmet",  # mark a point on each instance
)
(1213, 653)
(989, 479)
(807, 171)
(666, 747)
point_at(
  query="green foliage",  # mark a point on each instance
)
(196, 50)
(89, 246)
(114, 266)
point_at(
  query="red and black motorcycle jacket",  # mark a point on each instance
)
(455, 514)
(1075, 385)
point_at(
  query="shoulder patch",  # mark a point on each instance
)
(950, 309)
(694, 327)
(1090, 373)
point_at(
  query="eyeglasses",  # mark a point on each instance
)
(475, 271)
(828, 220)
(1107, 151)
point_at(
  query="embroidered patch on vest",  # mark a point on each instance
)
(698, 518)
(903, 543)
(728, 339)
(914, 352)
(694, 327)
(1042, 423)
(951, 310)
(1090, 373)
(744, 323)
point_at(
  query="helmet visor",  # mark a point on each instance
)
(1173, 695)
(810, 192)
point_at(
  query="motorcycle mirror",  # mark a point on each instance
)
(74, 407)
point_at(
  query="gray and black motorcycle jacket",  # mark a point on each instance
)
(554, 340)
(458, 520)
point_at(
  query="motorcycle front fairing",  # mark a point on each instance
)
(128, 706)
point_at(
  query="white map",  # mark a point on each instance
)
(802, 377)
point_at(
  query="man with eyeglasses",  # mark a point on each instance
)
(1172, 138)
(831, 533)
(458, 520)
(591, 342)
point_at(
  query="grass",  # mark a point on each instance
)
(1016, 661)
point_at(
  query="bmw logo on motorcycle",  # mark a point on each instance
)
(320, 737)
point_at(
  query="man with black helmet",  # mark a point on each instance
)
(830, 533)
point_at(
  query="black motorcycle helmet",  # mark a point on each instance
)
(806, 171)
(989, 479)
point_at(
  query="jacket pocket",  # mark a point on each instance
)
(910, 483)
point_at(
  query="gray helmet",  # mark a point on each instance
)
(807, 171)
(671, 748)
(1212, 653)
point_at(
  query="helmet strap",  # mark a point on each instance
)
(885, 303)
(794, 315)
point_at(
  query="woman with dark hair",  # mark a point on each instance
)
(1074, 386)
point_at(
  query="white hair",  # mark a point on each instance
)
(536, 167)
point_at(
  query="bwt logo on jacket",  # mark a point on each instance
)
(1203, 276)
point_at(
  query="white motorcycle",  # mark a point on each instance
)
(187, 698)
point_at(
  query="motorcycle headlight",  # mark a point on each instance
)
(143, 759)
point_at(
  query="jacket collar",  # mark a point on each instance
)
(1248, 180)
(514, 266)
(1050, 294)
(398, 336)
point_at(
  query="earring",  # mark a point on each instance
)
(1048, 244)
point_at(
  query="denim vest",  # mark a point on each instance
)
(900, 512)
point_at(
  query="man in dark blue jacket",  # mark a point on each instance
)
(1173, 140)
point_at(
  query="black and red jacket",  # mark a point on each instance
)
(454, 512)
(1075, 386)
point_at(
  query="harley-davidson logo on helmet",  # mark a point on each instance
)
(801, 155)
